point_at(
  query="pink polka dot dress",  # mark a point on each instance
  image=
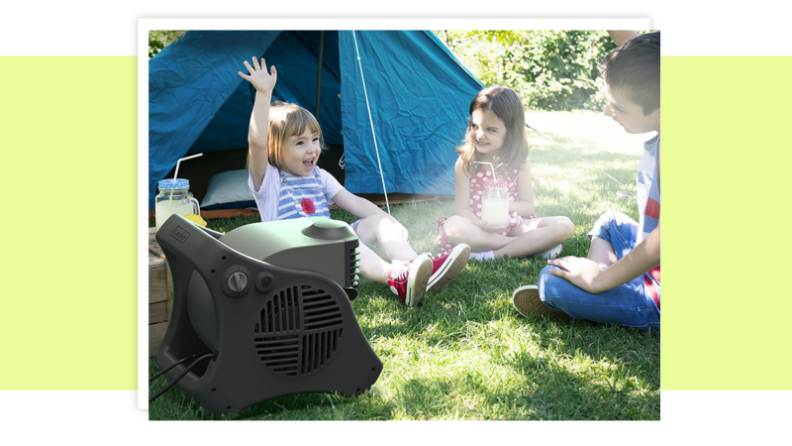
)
(476, 194)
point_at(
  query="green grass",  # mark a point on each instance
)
(465, 353)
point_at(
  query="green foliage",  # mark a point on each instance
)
(550, 70)
(158, 40)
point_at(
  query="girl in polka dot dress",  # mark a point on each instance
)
(496, 135)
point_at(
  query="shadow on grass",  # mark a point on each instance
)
(636, 351)
(549, 392)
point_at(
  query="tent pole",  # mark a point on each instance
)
(319, 74)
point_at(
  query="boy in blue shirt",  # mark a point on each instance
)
(619, 281)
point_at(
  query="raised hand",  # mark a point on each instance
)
(262, 81)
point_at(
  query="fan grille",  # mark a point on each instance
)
(282, 313)
(320, 310)
(280, 353)
(298, 330)
(317, 348)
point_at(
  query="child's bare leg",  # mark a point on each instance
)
(461, 230)
(537, 235)
(381, 229)
(372, 266)
(601, 252)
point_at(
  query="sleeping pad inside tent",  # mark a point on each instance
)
(418, 96)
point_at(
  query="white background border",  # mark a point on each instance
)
(101, 28)
(97, 28)
(102, 418)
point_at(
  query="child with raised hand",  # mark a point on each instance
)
(619, 281)
(496, 135)
(285, 145)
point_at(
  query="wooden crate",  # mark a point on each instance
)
(160, 294)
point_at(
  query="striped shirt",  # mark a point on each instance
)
(301, 196)
(648, 194)
(282, 196)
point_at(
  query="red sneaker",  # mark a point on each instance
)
(409, 280)
(448, 265)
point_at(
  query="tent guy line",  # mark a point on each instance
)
(371, 120)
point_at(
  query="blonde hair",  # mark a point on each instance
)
(285, 120)
(506, 104)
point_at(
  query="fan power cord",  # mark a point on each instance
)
(172, 383)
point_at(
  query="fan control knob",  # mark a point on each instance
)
(236, 281)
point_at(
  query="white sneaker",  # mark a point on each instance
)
(550, 253)
(482, 256)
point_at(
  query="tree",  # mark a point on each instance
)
(158, 40)
(550, 70)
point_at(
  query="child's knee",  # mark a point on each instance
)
(454, 227)
(566, 228)
(611, 218)
(369, 228)
(373, 224)
(611, 223)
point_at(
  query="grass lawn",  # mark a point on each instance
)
(466, 353)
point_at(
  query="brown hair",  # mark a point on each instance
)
(506, 104)
(634, 67)
(285, 120)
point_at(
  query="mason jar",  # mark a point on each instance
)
(174, 197)
(495, 203)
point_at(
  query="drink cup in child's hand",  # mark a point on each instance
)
(495, 203)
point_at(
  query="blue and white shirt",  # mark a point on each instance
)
(649, 208)
(283, 196)
(648, 192)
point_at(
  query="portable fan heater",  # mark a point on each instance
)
(271, 302)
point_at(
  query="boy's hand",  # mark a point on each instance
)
(583, 273)
(263, 82)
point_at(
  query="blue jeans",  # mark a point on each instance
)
(627, 305)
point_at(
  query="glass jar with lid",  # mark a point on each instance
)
(174, 198)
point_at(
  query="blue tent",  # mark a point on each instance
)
(418, 92)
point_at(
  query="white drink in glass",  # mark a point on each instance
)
(174, 198)
(166, 208)
(495, 203)
(495, 210)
